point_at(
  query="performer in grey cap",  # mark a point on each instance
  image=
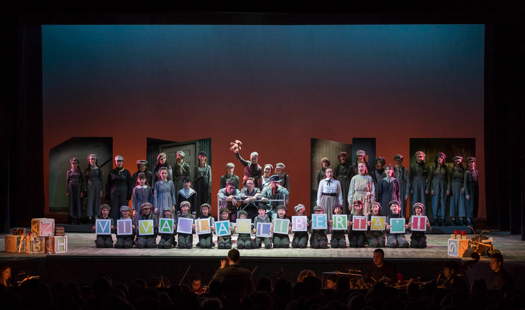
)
(125, 241)
(93, 181)
(142, 166)
(118, 186)
(284, 178)
(181, 170)
(230, 176)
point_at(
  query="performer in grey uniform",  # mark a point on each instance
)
(181, 171)
(418, 178)
(167, 241)
(105, 241)
(456, 189)
(164, 195)
(74, 187)
(471, 190)
(93, 181)
(230, 176)
(437, 188)
(206, 240)
(202, 182)
(284, 178)
(162, 162)
(388, 190)
(274, 191)
(395, 240)
(118, 187)
(267, 174)
(281, 240)
(146, 214)
(250, 197)
(142, 167)
(401, 174)
(325, 164)
(329, 194)
(142, 193)
(186, 193)
(262, 217)
(229, 197)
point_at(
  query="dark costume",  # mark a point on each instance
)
(250, 207)
(318, 238)
(357, 238)
(259, 240)
(471, 189)
(93, 181)
(343, 173)
(146, 241)
(375, 238)
(202, 184)
(281, 240)
(280, 194)
(284, 181)
(387, 190)
(140, 195)
(232, 178)
(223, 203)
(189, 195)
(125, 241)
(167, 241)
(418, 180)
(164, 196)
(118, 190)
(149, 177)
(104, 241)
(455, 186)
(338, 239)
(157, 168)
(437, 186)
(74, 186)
(181, 171)
(185, 241)
(251, 170)
(401, 174)
(206, 240)
(224, 242)
(395, 240)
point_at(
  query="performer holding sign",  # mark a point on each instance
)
(204, 225)
(359, 226)
(146, 227)
(262, 236)
(396, 227)
(185, 226)
(243, 228)
(224, 230)
(281, 228)
(376, 235)
(167, 230)
(125, 229)
(300, 227)
(318, 239)
(104, 224)
(418, 225)
(339, 224)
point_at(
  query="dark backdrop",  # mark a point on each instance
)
(503, 114)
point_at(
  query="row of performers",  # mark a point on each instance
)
(318, 238)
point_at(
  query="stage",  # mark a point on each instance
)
(84, 261)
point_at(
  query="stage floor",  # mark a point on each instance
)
(82, 245)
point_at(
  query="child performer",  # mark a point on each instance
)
(280, 240)
(105, 241)
(146, 214)
(244, 241)
(224, 242)
(318, 238)
(206, 240)
(262, 217)
(142, 193)
(185, 240)
(167, 241)
(300, 238)
(395, 240)
(357, 238)
(418, 239)
(338, 239)
(376, 238)
(125, 241)
(186, 193)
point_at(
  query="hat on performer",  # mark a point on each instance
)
(161, 156)
(254, 154)
(420, 152)
(124, 208)
(471, 159)
(105, 206)
(142, 162)
(222, 210)
(230, 165)
(230, 182)
(381, 160)
(418, 205)
(268, 166)
(92, 156)
(242, 212)
(280, 207)
(299, 207)
(205, 205)
(280, 165)
(146, 205)
(119, 158)
(181, 153)
(441, 155)
(360, 152)
(185, 203)
(203, 154)
(318, 208)
(457, 157)
(392, 202)
(398, 157)
(274, 178)
(325, 160)
(338, 206)
(261, 206)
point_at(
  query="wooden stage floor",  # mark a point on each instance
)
(82, 245)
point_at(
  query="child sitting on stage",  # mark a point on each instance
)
(357, 237)
(206, 240)
(185, 240)
(418, 239)
(105, 241)
(262, 217)
(167, 241)
(125, 241)
(376, 238)
(142, 193)
(300, 238)
(338, 239)
(394, 240)
(224, 242)
(244, 241)
(148, 241)
(281, 240)
(318, 238)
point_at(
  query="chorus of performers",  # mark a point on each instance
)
(451, 191)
